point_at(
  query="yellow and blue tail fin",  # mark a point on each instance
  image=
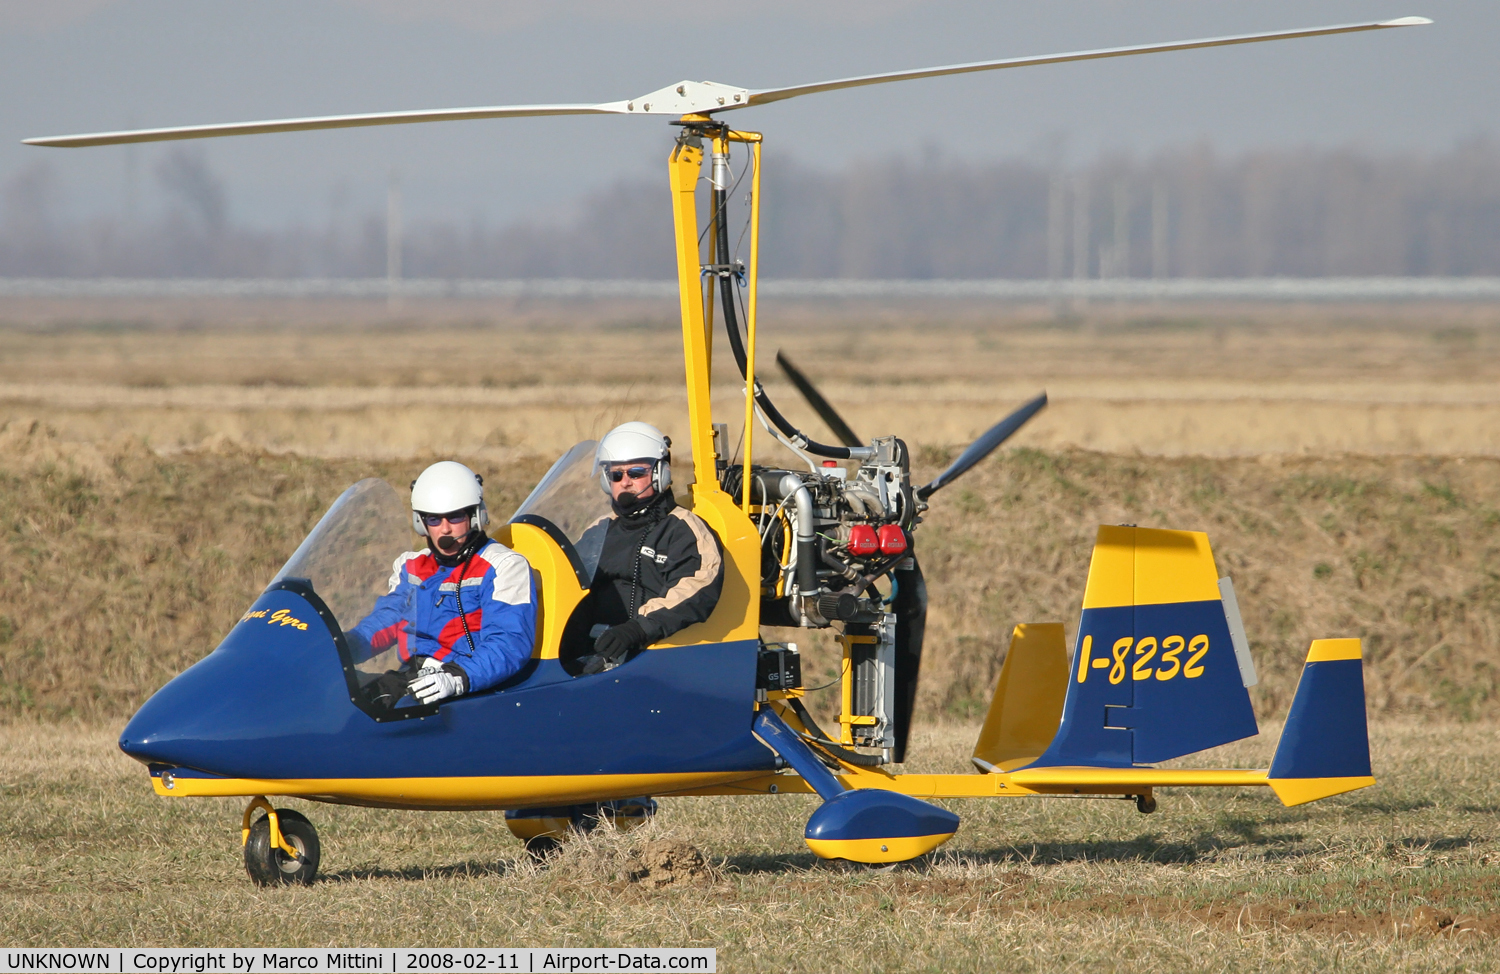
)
(1161, 666)
(1325, 746)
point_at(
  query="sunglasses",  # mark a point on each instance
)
(457, 517)
(634, 473)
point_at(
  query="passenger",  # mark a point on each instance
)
(460, 615)
(661, 568)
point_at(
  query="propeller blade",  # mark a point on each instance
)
(910, 606)
(767, 95)
(821, 406)
(983, 446)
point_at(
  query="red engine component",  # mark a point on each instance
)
(892, 539)
(862, 540)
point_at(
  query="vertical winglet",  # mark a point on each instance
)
(1028, 702)
(1325, 747)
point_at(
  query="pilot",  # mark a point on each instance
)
(661, 568)
(460, 615)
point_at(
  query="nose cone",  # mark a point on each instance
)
(276, 681)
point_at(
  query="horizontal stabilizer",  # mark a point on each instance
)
(1155, 674)
(1325, 747)
(1028, 701)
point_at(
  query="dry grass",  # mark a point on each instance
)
(1400, 877)
(328, 380)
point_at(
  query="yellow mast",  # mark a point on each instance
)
(738, 613)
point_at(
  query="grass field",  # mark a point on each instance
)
(157, 466)
(1400, 877)
(325, 380)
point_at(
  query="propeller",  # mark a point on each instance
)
(684, 98)
(821, 406)
(910, 607)
(983, 446)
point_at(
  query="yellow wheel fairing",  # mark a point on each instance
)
(551, 826)
(877, 850)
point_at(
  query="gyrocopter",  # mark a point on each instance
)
(1160, 666)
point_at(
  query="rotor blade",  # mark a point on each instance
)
(821, 406)
(984, 446)
(768, 95)
(321, 122)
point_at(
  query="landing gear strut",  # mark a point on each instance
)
(281, 848)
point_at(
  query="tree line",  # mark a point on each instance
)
(1185, 212)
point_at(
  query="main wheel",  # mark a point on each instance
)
(542, 847)
(273, 867)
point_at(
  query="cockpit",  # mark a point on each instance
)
(345, 564)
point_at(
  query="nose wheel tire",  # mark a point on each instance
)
(269, 866)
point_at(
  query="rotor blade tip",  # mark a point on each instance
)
(1406, 22)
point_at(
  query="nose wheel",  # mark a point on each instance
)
(281, 847)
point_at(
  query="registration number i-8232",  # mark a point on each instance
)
(1146, 658)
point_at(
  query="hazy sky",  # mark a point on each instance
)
(83, 65)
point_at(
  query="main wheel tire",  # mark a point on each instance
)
(273, 867)
(542, 847)
(865, 868)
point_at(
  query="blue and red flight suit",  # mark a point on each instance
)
(420, 614)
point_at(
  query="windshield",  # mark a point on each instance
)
(348, 557)
(570, 499)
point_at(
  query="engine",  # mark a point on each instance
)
(830, 539)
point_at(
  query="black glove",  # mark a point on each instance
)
(388, 690)
(614, 644)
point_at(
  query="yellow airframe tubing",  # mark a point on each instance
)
(754, 140)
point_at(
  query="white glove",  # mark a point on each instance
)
(432, 685)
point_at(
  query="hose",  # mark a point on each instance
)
(720, 261)
(821, 740)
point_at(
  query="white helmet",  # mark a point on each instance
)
(444, 487)
(636, 441)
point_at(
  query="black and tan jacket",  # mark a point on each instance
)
(663, 567)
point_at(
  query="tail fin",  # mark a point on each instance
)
(1028, 701)
(1155, 674)
(1325, 747)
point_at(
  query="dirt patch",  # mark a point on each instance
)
(665, 862)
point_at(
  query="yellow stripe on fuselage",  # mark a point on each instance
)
(542, 790)
(454, 793)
